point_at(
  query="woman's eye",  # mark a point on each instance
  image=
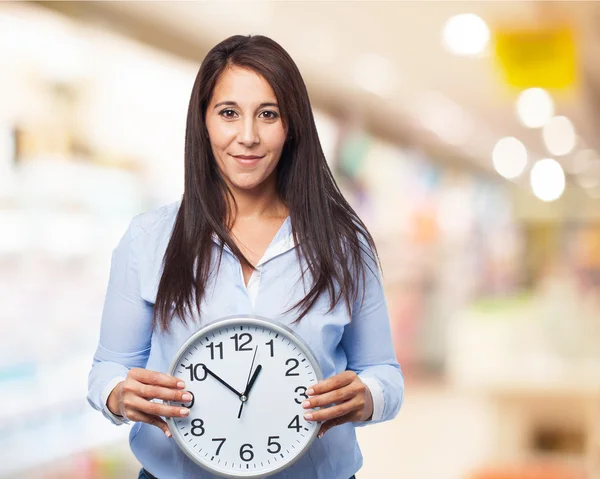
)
(228, 113)
(269, 115)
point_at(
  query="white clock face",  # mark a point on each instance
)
(249, 378)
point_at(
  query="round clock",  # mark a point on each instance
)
(248, 377)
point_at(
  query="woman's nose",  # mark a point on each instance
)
(248, 133)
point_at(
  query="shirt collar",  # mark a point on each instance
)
(282, 242)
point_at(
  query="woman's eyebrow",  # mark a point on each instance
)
(233, 103)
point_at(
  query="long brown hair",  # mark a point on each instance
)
(330, 236)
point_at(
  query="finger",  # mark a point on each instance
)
(333, 412)
(153, 408)
(156, 378)
(334, 382)
(159, 392)
(326, 426)
(152, 420)
(334, 397)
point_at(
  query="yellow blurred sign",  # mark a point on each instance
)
(537, 57)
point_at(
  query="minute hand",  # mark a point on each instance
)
(238, 394)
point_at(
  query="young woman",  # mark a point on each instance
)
(262, 229)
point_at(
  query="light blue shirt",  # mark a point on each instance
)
(360, 342)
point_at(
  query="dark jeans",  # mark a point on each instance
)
(146, 475)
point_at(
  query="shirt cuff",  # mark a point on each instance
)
(376, 394)
(118, 420)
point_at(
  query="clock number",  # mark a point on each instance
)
(239, 345)
(289, 371)
(295, 424)
(303, 394)
(246, 454)
(274, 443)
(212, 350)
(194, 372)
(191, 403)
(271, 345)
(198, 424)
(222, 441)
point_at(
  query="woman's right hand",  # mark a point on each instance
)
(131, 398)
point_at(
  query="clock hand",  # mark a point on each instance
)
(251, 366)
(247, 383)
(251, 383)
(222, 382)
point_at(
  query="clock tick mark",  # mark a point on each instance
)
(186, 434)
(303, 360)
(281, 455)
(276, 336)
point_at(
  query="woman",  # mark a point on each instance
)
(262, 229)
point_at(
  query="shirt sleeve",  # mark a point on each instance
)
(367, 342)
(126, 327)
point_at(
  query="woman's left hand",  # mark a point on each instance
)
(351, 398)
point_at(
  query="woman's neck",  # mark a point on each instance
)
(257, 203)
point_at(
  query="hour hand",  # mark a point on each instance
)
(238, 394)
(251, 383)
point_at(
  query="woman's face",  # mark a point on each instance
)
(245, 128)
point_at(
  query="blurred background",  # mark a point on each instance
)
(465, 134)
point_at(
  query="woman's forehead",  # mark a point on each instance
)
(244, 87)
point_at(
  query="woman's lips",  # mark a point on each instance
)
(248, 160)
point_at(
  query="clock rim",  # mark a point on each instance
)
(252, 320)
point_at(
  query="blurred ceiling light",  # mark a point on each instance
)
(509, 157)
(559, 136)
(375, 74)
(547, 179)
(465, 34)
(445, 118)
(535, 107)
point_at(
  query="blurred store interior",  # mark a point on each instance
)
(465, 134)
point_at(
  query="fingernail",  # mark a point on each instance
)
(168, 433)
(308, 416)
(306, 404)
(186, 397)
(185, 412)
(310, 392)
(180, 384)
(320, 435)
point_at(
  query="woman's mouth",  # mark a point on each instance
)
(248, 160)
